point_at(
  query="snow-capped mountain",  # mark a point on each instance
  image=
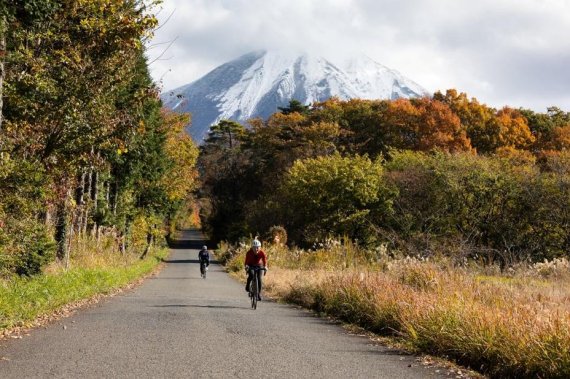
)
(256, 84)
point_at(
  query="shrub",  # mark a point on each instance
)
(277, 234)
(503, 210)
(556, 268)
(25, 247)
(335, 195)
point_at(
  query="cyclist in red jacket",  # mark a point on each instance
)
(255, 263)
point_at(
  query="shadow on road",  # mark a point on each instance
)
(186, 261)
(185, 244)
(198, 306)
(187, 239)
(181, 261)
(175, 278)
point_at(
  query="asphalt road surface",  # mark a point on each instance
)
(177, 325)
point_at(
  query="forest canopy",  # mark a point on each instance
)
(445, 174)
(85, 148)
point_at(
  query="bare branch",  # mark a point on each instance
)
(158, 44)
(165, 21)
(163, 52)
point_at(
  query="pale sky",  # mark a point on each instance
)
(503, 52)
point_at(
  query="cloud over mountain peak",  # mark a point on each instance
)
(257, 83)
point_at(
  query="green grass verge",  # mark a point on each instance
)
(22, 300)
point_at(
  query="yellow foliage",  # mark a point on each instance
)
(561, 140)
(183, 152)
(515, 156)
(286, 120)
(513, 129)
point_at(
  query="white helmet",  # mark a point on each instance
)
(256, 243)
(204, 247)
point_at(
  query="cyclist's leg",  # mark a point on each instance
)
(249, 277)
(259, 282)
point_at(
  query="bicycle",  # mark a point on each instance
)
(254, 285)
(203, 269)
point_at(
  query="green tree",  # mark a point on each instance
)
(81, 110)
(295, 106)
(67, 62)
(361, 123)
(335, 196)
(226, 133)
(222, 164)
(546, 127)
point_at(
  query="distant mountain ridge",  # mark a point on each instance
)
(257, 83)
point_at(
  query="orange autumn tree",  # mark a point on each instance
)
(511, 130)
(440, 128)
(475, 117)
(555, 156)
(488, 129)
(400, 122)
(425, 124)
(561, 138)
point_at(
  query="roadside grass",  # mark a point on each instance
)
(95, 269)
(505, 326)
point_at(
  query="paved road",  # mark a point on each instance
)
(177, 325)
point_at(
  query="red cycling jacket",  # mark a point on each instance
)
(251, 259)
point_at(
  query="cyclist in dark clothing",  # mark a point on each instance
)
(204, 258)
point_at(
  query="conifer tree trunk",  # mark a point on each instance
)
(72, 235)
(87, 190)
(87, 183)
(2, 56)
(80, 200)
(149, 243)
(95, 184)
(114, 197)
(47, 215)
(80, 191)
(95, 187)
(107, 193)
(85, 219)
(124, 235)
(121, 240)
(61, 230)
(88, 195)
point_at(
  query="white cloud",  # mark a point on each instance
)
(513, 52)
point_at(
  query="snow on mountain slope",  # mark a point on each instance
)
(256, 84)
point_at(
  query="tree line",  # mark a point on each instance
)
(444, 174)
(85, 147)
